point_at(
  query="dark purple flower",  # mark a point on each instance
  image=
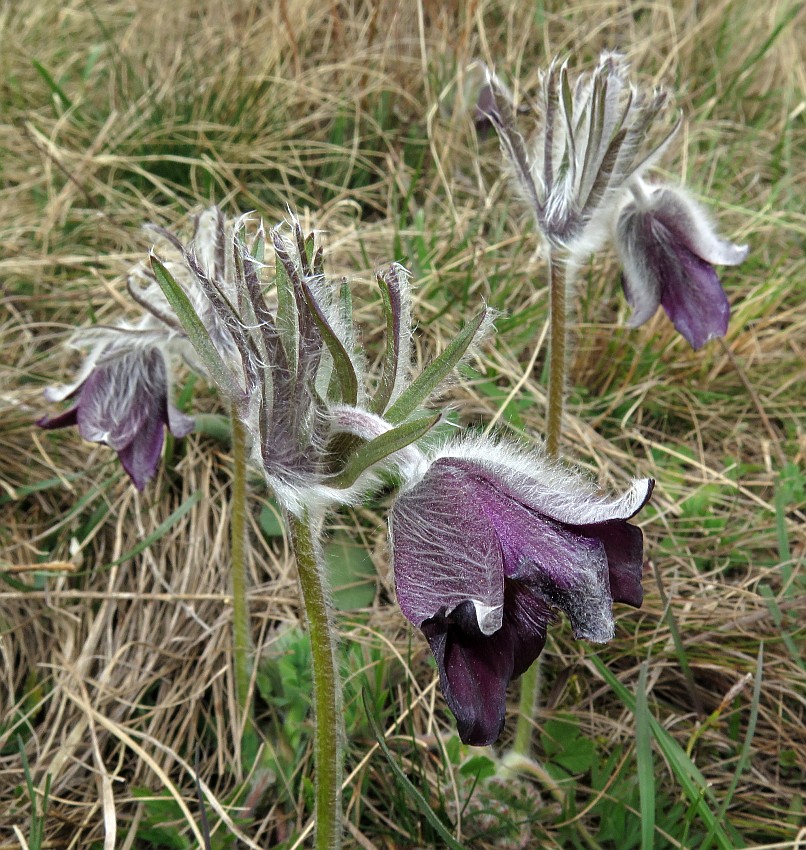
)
(122, 401)
(668, 250)
(488, 547)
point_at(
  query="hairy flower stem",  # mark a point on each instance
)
(530, 681)
(240, 606)
(558, 334)
(327, 743)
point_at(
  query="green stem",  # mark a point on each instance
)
(557, 356)
(530, 681)
(327, 741)
(240, 606)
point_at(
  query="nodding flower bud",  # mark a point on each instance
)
(489, 544)
(668, 249)
(592, 138)
(122, 398)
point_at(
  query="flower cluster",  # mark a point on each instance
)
(489, 542)
(582, 178)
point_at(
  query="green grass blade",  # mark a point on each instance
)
(646, 769)
(406, 784)
(54, 87)
(744, 756)
(687, 773)
(761, 51)
(160, 531)
(797, 654)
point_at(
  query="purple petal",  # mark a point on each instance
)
(63, 420)
(141, 457)
(179, 424)
(693, 298)
(121, 396)
(547, 488)
(475, 669)
(564, 568)
(640, 281)
(624, 546)
(691, 226)
(528, 616)
(445, 550)
(475, 523)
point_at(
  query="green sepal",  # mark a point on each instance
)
(382, 446)
(258, 250)
(346, 302)
(435, 373)
(342, 363)
(346, 316)
(197, 334)
(389, 373)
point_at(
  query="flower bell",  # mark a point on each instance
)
(122, 400)
(668, 249)
(489, 544)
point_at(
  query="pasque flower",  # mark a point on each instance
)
(122, 400)
(122, 392)
(489, 543)
(668, 249)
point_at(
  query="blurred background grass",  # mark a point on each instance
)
(115, 667)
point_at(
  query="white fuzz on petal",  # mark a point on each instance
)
(546, 486)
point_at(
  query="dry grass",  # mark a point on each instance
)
(114, 674)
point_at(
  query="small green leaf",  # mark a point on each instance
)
(352, 575)
(478, 767)
(213, 425)
(271, 522)
(436, 372)
(196, 331)
(382, 446)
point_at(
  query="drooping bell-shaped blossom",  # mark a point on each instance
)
(668, 248)
(122, 399)
(592, 137)
(122, 391)
(489, 545)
